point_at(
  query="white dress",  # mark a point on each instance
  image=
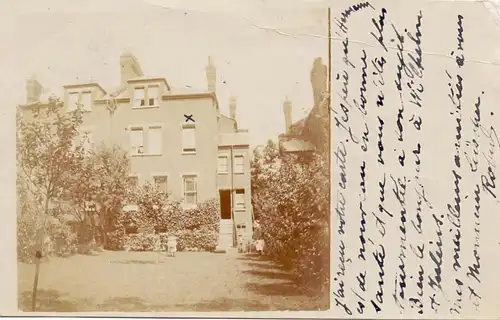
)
(172, 244)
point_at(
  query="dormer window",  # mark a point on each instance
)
(153, 95)
(146, 96)
(139, 97)
(84, 98)
(72, 100)
(86, 101)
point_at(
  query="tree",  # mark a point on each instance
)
(46, 160)
(103, 180)
(263, 163)
(290, 196)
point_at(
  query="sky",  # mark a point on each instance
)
(262, 50)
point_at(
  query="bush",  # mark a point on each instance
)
(294, 213)
(59, 238)
(196, 229)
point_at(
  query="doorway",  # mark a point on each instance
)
(225, 204)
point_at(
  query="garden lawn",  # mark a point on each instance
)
(135, 282)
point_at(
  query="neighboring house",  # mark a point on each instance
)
(310, 134)
(177, 139)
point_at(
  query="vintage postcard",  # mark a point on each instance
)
(269, 158)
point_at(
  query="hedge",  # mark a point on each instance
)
(196, 229)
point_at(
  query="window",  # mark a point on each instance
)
(155, 140)
(153, 95)
(239, 199)
(161, 183)
(137, 141)
(72, 100)
(188, 138)
(86, 100)
(190, 190)
(223, 165)
(239, 164)
(139, 97)
(87, 143)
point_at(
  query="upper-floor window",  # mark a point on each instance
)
(239, 164)
(155, 140)
(139, 97)
(190, 190)
(146, 140)
(146, 96)
(83, 98)
(153, 95)
(72, 100)
(160, 182)
(86, 100)
(137, 141)
(223, 164)
(189, 138)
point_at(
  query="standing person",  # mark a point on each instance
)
(257, 236)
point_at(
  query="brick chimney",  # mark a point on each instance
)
(211, 75)
(232, 108)
(129, 67)
(287, 110)
(319, 75)
(33, 90)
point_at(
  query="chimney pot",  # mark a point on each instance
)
(319, 75)
(287, 110)
(232, 108)
(129, 67)
(33, 90)
(211, 75)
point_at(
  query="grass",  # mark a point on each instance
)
(139, 281)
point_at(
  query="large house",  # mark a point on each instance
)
(176, 138)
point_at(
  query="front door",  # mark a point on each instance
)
(225, 204)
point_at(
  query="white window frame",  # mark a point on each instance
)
(144, 103)
(227, 164)
(135, 100)
(236, 207)
(150, 128)
(235, 165)
(156, 101)
(188, 150)
(91, 101)
(68, 105)
(79, 97)
(184, 192)
(143, 147)
(161, 175)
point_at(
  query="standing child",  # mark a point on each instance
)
(257, 236)
(172, 245)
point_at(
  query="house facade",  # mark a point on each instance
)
(177, 139)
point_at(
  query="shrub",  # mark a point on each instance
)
(195, 228)
(293, 204)
(139, 242)
(59, 238)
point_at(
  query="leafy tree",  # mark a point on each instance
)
(291, 198)
(263, 162)
(46, 161)
(100, 184)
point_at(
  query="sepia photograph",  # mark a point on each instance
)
(171, 157)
